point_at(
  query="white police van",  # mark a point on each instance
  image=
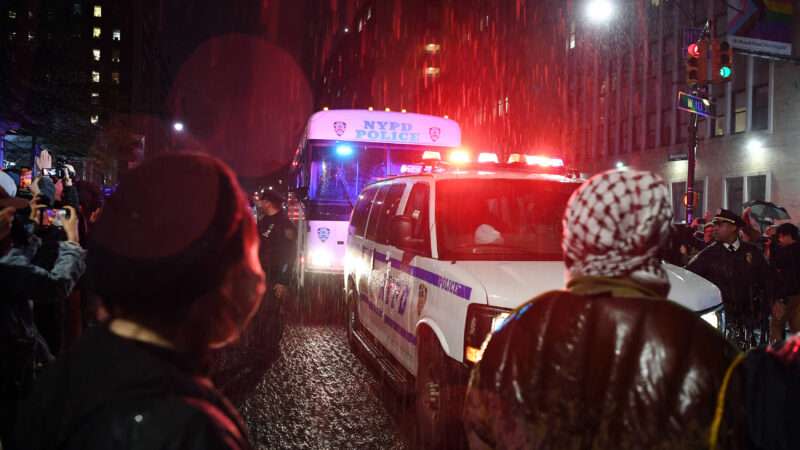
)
(437, 258)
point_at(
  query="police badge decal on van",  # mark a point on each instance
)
(435, 133)
(339, 128)
(323, 233)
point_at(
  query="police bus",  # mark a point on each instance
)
(341, 152)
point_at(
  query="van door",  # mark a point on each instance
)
(406, 290)
(378, 236)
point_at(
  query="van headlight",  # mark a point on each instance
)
(482, 320)
(713, 317)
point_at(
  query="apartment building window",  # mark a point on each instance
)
(96, 54)
(96, 32)
(115, 77)
(760, 94)
(741, 189)
(94, 119)
(720, 107)
(116, 35)
(740, 112)
(12, 35)
(98, 11)
(115, 56)
(76, 9)
(95, 98)
(95, 76)
(12, 14)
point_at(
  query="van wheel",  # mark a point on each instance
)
(352, 319)
(438, 404)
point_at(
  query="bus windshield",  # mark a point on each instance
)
(340, 170)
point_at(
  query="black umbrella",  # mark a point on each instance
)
(766, 212)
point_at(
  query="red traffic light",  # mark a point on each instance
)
(693, 50)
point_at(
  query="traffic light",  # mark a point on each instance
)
(697, 63)
(722, 68)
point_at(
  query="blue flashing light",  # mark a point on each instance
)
(344, 150)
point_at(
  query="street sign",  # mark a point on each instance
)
(695, 105)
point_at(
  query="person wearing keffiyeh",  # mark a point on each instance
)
(607, 363)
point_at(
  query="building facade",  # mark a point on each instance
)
(624, 79)
(495, 67)
(65, 70)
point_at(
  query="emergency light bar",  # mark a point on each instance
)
(431, 155)
(459, 157)
(487, 157)
(543, 161)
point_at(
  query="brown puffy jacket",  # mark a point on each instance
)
(571, 371)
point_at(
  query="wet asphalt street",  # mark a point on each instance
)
(318, 395)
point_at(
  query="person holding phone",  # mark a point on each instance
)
(25, 285)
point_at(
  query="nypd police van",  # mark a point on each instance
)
(437, 258)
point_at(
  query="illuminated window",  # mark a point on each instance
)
(12, 14)
(115, 56)
(31, 36)
(116, 35)
(98, 11)
(432, 71)
(94, 119)
(96, 54)
(12, 35)
(95, 94)
(96, 32)
(95, 76)
(433, 48)
(115, 77)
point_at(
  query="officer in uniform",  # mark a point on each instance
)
(741, 273)
(276, 253)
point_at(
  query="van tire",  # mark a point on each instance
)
(438, 402)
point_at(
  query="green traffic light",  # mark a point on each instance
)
(725, 72)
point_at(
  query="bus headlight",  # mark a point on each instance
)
(321, 258)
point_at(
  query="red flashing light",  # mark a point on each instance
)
(543, 161)
(459, 157)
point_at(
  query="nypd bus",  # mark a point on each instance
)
(342, 151)
(436, 259)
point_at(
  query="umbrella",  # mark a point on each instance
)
(763, 211)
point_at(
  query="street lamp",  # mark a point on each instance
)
(178, 126)
(599, 11)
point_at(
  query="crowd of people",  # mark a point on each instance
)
(163, 287)
(159, 285)
(758, 274)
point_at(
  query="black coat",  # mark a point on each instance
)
(277, 251)
(742, 276)
(786, 262)
(110, 392)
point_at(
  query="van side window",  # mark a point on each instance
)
(358, 223)
(418, 210)
(387, 210)
(375, 213)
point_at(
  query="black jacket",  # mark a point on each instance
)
(742, 276)
(110, 392)
(278, 245)
(786, 262)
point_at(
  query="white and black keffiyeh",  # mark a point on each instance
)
(614, 225)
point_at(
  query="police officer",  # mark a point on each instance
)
(276, 253)
(741, 273)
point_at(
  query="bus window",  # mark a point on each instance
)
(338, 177)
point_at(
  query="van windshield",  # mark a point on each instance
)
(501, 219)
